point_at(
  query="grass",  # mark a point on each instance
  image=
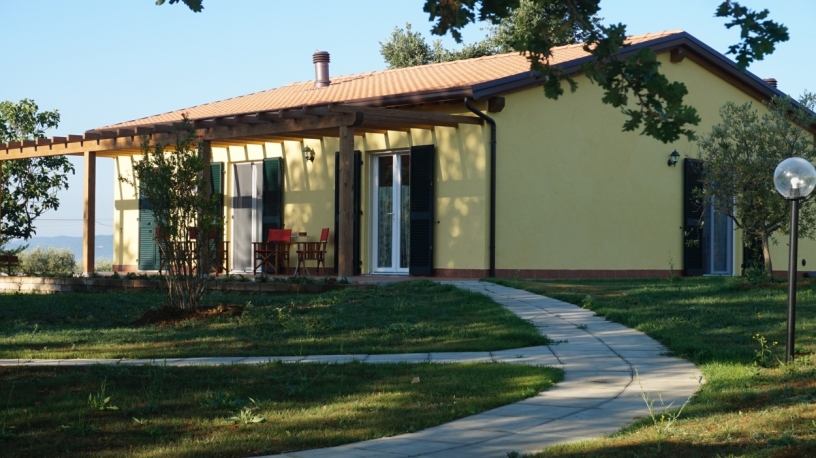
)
(237, 411)
(416, 316)
(751, 405)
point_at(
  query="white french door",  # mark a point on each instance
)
(246, 213)
(391, 216)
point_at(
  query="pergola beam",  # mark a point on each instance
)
(289, 124)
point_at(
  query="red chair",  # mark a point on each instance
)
(274, 252)
(314, 251)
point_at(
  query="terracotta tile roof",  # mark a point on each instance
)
(424, 78)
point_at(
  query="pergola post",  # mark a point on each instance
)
(345, 240)
(89, 217)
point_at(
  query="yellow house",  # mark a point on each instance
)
(458, 169)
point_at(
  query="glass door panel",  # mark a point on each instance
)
(718, 243)
(391, 215)
(385, 212)
(405, 210)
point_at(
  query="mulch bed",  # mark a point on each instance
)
(170, 316)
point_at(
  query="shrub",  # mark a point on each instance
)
(47, 261)
(103, 265)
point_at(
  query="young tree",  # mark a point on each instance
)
(405, 48)
(175, 182)
(29, 186)
(739, 157)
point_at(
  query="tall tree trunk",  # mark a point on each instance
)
(766, 255)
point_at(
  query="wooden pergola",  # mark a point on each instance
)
(342, 121)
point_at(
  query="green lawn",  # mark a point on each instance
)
(745, 408)
(416, 316)
(209, 411)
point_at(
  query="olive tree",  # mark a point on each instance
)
(739, 157)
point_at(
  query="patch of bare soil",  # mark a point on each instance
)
(170, 316)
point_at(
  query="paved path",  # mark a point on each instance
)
(607, 369)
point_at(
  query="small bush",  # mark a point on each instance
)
(103, 265)
(47, 261)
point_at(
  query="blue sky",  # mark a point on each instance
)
(102, 61)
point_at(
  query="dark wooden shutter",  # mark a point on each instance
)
(692, 218)
(422, 210)
(752, 254)
(356, 210)
(216, 182)
(148, 250)
(272, 213)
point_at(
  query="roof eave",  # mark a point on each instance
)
(749, 82)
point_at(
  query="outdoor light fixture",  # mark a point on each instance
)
(795, 179)
(673, 158)
(308, 153)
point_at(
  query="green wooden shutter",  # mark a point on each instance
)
(692, 218)
(422, 210)
(216, 182)
(148, 250)
(272, 214)
(356, 204)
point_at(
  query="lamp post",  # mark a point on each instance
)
(795, 179)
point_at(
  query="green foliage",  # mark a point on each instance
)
(195, 5)
(765, 356)
(175, 182)
(246, 416)
(759, 34)
(98, 401)
(103, 265)
(740, 155)
(47, 261)
(406, 48)
(658, 106)
(29, 186)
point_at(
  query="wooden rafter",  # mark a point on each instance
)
(273, 126)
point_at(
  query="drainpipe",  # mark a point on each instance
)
(492, 237)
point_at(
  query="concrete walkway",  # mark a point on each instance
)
(608, 368)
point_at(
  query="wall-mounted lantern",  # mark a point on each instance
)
(308, 153)
(673, 157)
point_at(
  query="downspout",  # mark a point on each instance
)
(492, 236)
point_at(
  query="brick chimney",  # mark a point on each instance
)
(771, 81)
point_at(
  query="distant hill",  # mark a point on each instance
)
(104, 244)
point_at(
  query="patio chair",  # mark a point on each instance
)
(314, 251)
(274, 253)
(221, 260)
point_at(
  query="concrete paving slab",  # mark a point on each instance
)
(151, 362)
(270, 359)
(217, 361)
(399, 358)
(332, 359)
(446, 433)
(405, 444)
(462, 357)
(343, 451)
(519, 410)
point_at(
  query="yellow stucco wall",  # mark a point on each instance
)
(308, 196)
(575, 192)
